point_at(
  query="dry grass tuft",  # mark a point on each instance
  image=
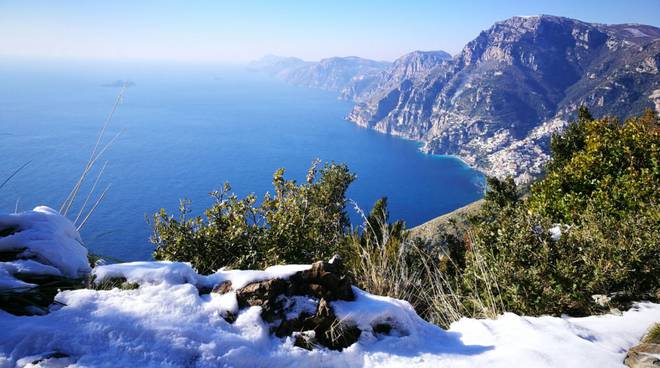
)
(402, 267)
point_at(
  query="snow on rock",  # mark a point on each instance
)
(47, 242)
(181, 273)
(167, 323)
(147, 272)
(240, 278)
(9, 282)
(369, 310)
(23, 266)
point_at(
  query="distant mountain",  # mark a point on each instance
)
(412, 65)
(497, 102)
(332, 74)
(275, 65)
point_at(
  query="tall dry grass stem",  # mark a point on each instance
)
(98, 150)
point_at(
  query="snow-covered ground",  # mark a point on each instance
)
(167, 323)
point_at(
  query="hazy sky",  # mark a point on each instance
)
(234, 31)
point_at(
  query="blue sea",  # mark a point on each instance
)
(187, 129)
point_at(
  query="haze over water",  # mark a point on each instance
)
(188, 129)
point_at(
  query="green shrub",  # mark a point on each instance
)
(298, 223)
(601, 191)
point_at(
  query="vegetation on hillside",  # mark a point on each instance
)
(298, 223)
(589, 227)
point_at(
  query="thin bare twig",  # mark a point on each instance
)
(14, 174)
(91, 192)
(94, 156)
(93, 208)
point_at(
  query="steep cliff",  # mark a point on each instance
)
(498, 101)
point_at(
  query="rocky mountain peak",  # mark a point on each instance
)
(523, 39)
(423, 56)
(498, 101)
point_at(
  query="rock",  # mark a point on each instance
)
(304, 340)
(382, 328)
(37, 300)
(229, 316)
(265, 295)
(203, 290)
(601, 300)
(330, 332)
(51, 357)
(647, 353)
(290, 326)
(325, 282)
(643, 356)
(222, 288)
(321, 329)
(260, 293)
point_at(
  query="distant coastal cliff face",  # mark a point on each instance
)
(332, 74)
(497, 103)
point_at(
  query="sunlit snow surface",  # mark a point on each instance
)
(167, 323)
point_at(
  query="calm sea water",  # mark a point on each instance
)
(188, 129)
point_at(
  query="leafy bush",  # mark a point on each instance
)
(296, 224)
(600, 198)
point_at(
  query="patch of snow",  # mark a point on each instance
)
(49, 360)
(23, 266)
(368, 310)
(9, 282)
(298, 304)
(597, 341)
(528, 16)
(240, 278)
(49, 237)
(176, 273)
(48, 242)
(635, 32)
(555, 232)
(26, 266)
(167, 323)
(655, 97)
(148, 272)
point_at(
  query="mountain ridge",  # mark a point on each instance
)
(497, 102)
(332, 74)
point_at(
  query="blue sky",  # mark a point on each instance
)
(236, 31)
